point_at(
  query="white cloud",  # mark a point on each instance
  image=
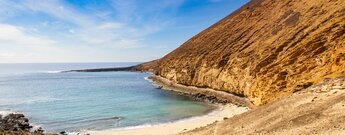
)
(91, 30)
(7, 55)
(21, 45)
(12, 35)
(66, 34)
(58, 10)
(71, 31)
(9, 9)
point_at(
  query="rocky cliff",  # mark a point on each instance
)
(264, 50)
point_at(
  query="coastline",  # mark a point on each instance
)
(204, 94)
(180, 126)
(228, 105)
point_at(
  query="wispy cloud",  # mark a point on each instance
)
(59, 10)
(88, 29)
(12, 35)
(18, 43)
(75, 28)
(107, 30)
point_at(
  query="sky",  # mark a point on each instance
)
(55, 31)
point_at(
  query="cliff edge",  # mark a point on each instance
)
(265, 50)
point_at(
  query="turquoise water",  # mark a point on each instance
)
(89, 101)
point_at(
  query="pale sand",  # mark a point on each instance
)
(179, 126)
(318, 109)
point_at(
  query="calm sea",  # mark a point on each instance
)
(89, 101)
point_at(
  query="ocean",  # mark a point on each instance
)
(75, 102)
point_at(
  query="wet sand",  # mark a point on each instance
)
(226, 111)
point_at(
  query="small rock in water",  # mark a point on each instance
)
(63, 133)
(39, 130)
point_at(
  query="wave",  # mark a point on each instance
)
(113, 129)
(137, 127)
(28, 73)
(95, 121)
(115, 118)
(19, 101)
(43, 72)
(148, 79)
(211, 113)
(7, 112)
(50, 72)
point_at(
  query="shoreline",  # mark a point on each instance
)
(202, 94)
(179, 126)
(228, 105)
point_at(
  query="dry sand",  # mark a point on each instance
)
(179, 126)
(319, 109)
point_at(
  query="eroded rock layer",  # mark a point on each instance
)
(264, 50)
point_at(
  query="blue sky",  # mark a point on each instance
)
(40, 31)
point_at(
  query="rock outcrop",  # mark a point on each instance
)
(132, 68)
(201, 94)
(14, 122)
(265, 50)
(18, 124)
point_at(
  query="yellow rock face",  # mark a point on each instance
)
(265, 50)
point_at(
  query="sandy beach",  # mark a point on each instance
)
(179, 126)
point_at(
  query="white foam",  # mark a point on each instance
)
(115, 129)
(48, 72)
(52, 72)
(147, 78)
(5, 113)
(136, 127)
(18, 101)
(82, 132)
(211, 113)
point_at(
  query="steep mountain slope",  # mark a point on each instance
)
(265, 50)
